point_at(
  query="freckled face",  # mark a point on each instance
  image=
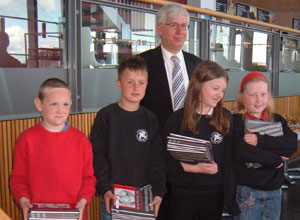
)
(256, 96)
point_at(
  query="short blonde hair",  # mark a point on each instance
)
(51, 83)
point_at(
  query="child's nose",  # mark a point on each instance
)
(258, 98)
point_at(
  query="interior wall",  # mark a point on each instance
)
(285, 10)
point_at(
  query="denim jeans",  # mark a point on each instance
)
(105, 214)
(258, 204)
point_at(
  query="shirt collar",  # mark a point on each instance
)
(210, 112)
(252, 117)
(167, 55)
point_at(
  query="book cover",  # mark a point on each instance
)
(189, 150)
(53, 211)
(264, 127)
(132, 203)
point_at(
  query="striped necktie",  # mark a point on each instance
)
(178, 88)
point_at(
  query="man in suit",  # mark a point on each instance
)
(172, 27)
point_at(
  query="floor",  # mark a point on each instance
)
(290, 209)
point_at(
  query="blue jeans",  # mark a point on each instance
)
(105, 214)
(258, 204)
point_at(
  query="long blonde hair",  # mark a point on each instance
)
(205, 71)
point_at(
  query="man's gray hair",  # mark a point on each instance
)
(172, 10)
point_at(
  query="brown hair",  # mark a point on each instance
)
(133, 63)
(51, 83)
(240, 107)
(205, 71)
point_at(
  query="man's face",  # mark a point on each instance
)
(172, 33)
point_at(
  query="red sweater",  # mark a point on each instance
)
(53, 167)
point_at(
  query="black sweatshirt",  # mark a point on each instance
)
(127, 149)
(194, 185)
(268, 153)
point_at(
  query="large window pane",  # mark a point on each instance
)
(289, 66)
(240, 51)
(32, 48)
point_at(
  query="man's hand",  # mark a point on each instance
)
(25, 206)
(80, 205)
(107, 197)
(156, 203)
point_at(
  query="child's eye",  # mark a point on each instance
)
(142, 83)
(66, 104)
(129, 83)
(53, 104)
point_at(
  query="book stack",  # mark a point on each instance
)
(132, 203)
(189, 150)
(264, 127)
(49, 211)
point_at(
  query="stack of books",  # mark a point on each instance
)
(49, 211)
(189, 150)
(264, 127)
(132, 203)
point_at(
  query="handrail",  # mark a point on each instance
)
(223, 15)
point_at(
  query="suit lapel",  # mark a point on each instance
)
(161, 73)
(188, 64)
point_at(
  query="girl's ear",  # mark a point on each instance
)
(38, 104)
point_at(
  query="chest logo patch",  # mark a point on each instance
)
(142, 135)
(216, 138)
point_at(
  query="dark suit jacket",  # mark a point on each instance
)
(158, 98)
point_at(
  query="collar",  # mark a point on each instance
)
(252, 117)
(210, 112)
(167, 55)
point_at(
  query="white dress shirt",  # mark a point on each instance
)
(169, 65)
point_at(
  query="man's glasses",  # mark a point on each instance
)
(178, 26)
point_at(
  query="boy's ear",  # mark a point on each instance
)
(38, 104)
(118, 83)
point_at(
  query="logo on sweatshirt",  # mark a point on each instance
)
(142, 135)
(216, 138)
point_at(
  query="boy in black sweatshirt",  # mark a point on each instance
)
(126, 139)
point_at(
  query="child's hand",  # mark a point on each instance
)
(206, 168)
(80, 205)
(156, 202)
(25, 206)
(251, 139)
(284, 158)
(107, 197)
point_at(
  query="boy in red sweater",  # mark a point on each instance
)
(53, 162)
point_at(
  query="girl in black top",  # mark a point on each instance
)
(199, 191)
(259, 158)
